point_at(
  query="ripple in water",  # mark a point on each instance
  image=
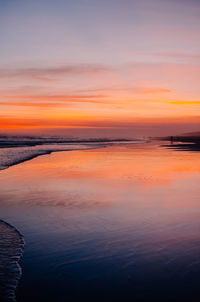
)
(11, 250)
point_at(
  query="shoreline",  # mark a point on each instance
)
(16, 155)
(37, 153)
(9, 262)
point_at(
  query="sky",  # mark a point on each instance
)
(100, 68)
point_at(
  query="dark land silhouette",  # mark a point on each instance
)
(187, 142)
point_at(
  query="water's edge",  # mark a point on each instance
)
(14, 156)
(11, 264)
(30, 154)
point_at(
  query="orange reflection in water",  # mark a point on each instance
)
(140, 176)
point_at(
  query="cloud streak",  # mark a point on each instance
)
(48, 73)
(94, 122)
(185, 102)
(40, 105)
(179, 56)
(53, 104)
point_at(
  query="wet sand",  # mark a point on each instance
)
(111, 224)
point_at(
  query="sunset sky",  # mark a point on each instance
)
(97, 67)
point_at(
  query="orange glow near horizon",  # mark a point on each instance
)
(58, 112)
(101, 107)
(103, 78)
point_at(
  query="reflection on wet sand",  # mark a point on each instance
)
(119, 223)
(101, 177)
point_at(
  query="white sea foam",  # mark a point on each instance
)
(11, 250)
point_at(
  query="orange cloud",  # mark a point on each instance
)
(185, 102)
(45, 105)
(132, 94)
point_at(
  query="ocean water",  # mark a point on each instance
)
(108, 224)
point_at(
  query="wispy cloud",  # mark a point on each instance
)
(179, 56)
(54, 104)
(50, 100)
(133, 89)
(49, 73)
(152, 90)
(58, 97)
(27, 104)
